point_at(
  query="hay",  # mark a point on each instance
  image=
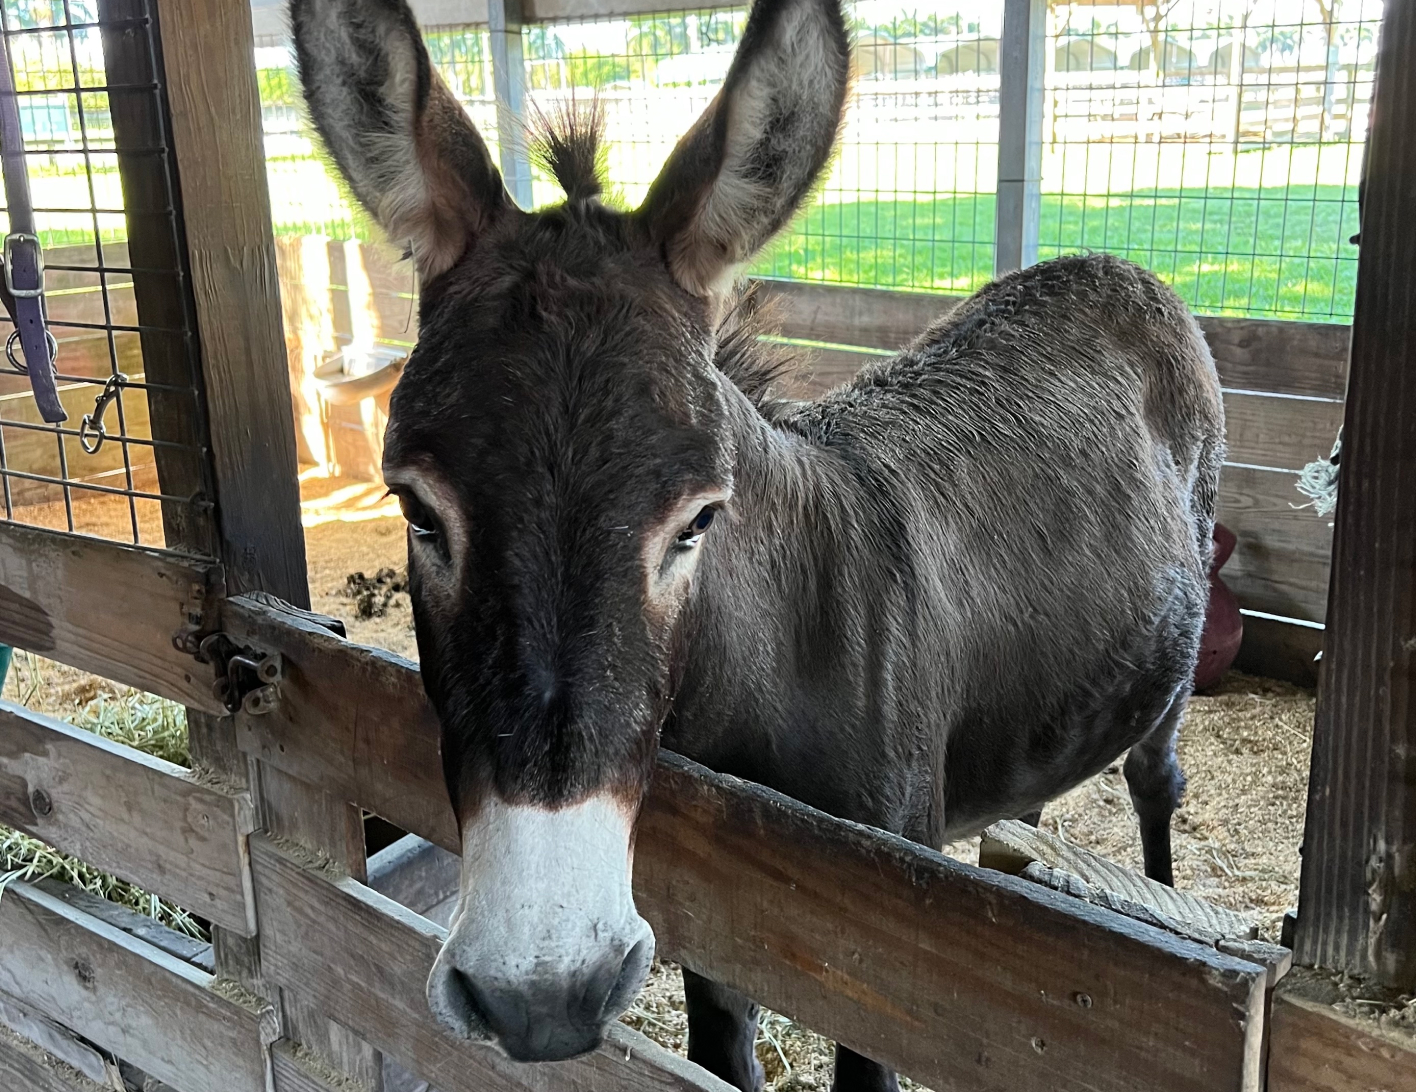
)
(130, 717)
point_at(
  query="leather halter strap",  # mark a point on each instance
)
(23, 282)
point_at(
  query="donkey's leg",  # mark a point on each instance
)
(1032, 818)
(722, 1031)
(857, 1073)
(1156, 782)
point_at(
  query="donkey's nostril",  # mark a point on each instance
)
(469, 996)
(630, 980)
(505, 1011)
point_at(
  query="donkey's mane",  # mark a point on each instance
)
(755, 366)
(568, 144)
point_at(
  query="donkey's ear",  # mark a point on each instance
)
(407, 149)
(747, 164)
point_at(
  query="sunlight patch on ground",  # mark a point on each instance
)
(339, 500)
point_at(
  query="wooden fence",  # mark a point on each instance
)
(957, 976)
(960, 977)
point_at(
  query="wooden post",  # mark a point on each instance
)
(216, 137)
(206, 46)
(504, 20)
(1021, 67)
(1357, 910)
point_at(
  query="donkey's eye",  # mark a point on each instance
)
(690, 535)
(420, 520)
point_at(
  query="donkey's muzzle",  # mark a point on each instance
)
(552, 1015)
(545, 947)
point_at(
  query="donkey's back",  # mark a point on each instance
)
(1044, 461)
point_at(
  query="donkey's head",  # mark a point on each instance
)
(560, 445)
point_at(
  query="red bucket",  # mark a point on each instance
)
(1224, 625)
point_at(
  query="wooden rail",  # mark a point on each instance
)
(920, 962)
(110, 609)
(142, 819)
(130, 997)
(1315, 1048)
(894, 949)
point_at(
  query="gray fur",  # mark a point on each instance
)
(975, 574)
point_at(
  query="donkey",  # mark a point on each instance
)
(937, 596)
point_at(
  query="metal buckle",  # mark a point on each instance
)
(10, 241)
(22, 366)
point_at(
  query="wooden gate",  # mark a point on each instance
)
(959, 977)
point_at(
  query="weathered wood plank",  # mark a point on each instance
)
(873, 318)
(1357, 908)
(1280, 566)
(1301, 358)
(160, 280)
(24, 1067)
(55, 1040)
(927, 965)
(1279, 431)
(106, 608)
(957, 977)
(128, 813)
(1298, 358)
(370, 738)
(415, 873)
(206, 57)
(295, 1069)
(1315, 1048)
(1279, 649)
(1010, 846)
(187, 949)
(134, 1000)
(364, 959)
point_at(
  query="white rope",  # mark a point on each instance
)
(1319, 481)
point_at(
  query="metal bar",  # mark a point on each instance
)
(1021, 67)
(70, 483)
(113, 437)
(134, 384)
(509, 78)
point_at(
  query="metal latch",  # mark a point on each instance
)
(246, 680)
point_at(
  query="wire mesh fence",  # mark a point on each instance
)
(106, 212)
(1218, 143)
(1215, 141)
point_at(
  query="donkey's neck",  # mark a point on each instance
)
(800, 620)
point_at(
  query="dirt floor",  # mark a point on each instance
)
(1244, 748)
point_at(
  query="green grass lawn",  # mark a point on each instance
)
(1278, 253)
